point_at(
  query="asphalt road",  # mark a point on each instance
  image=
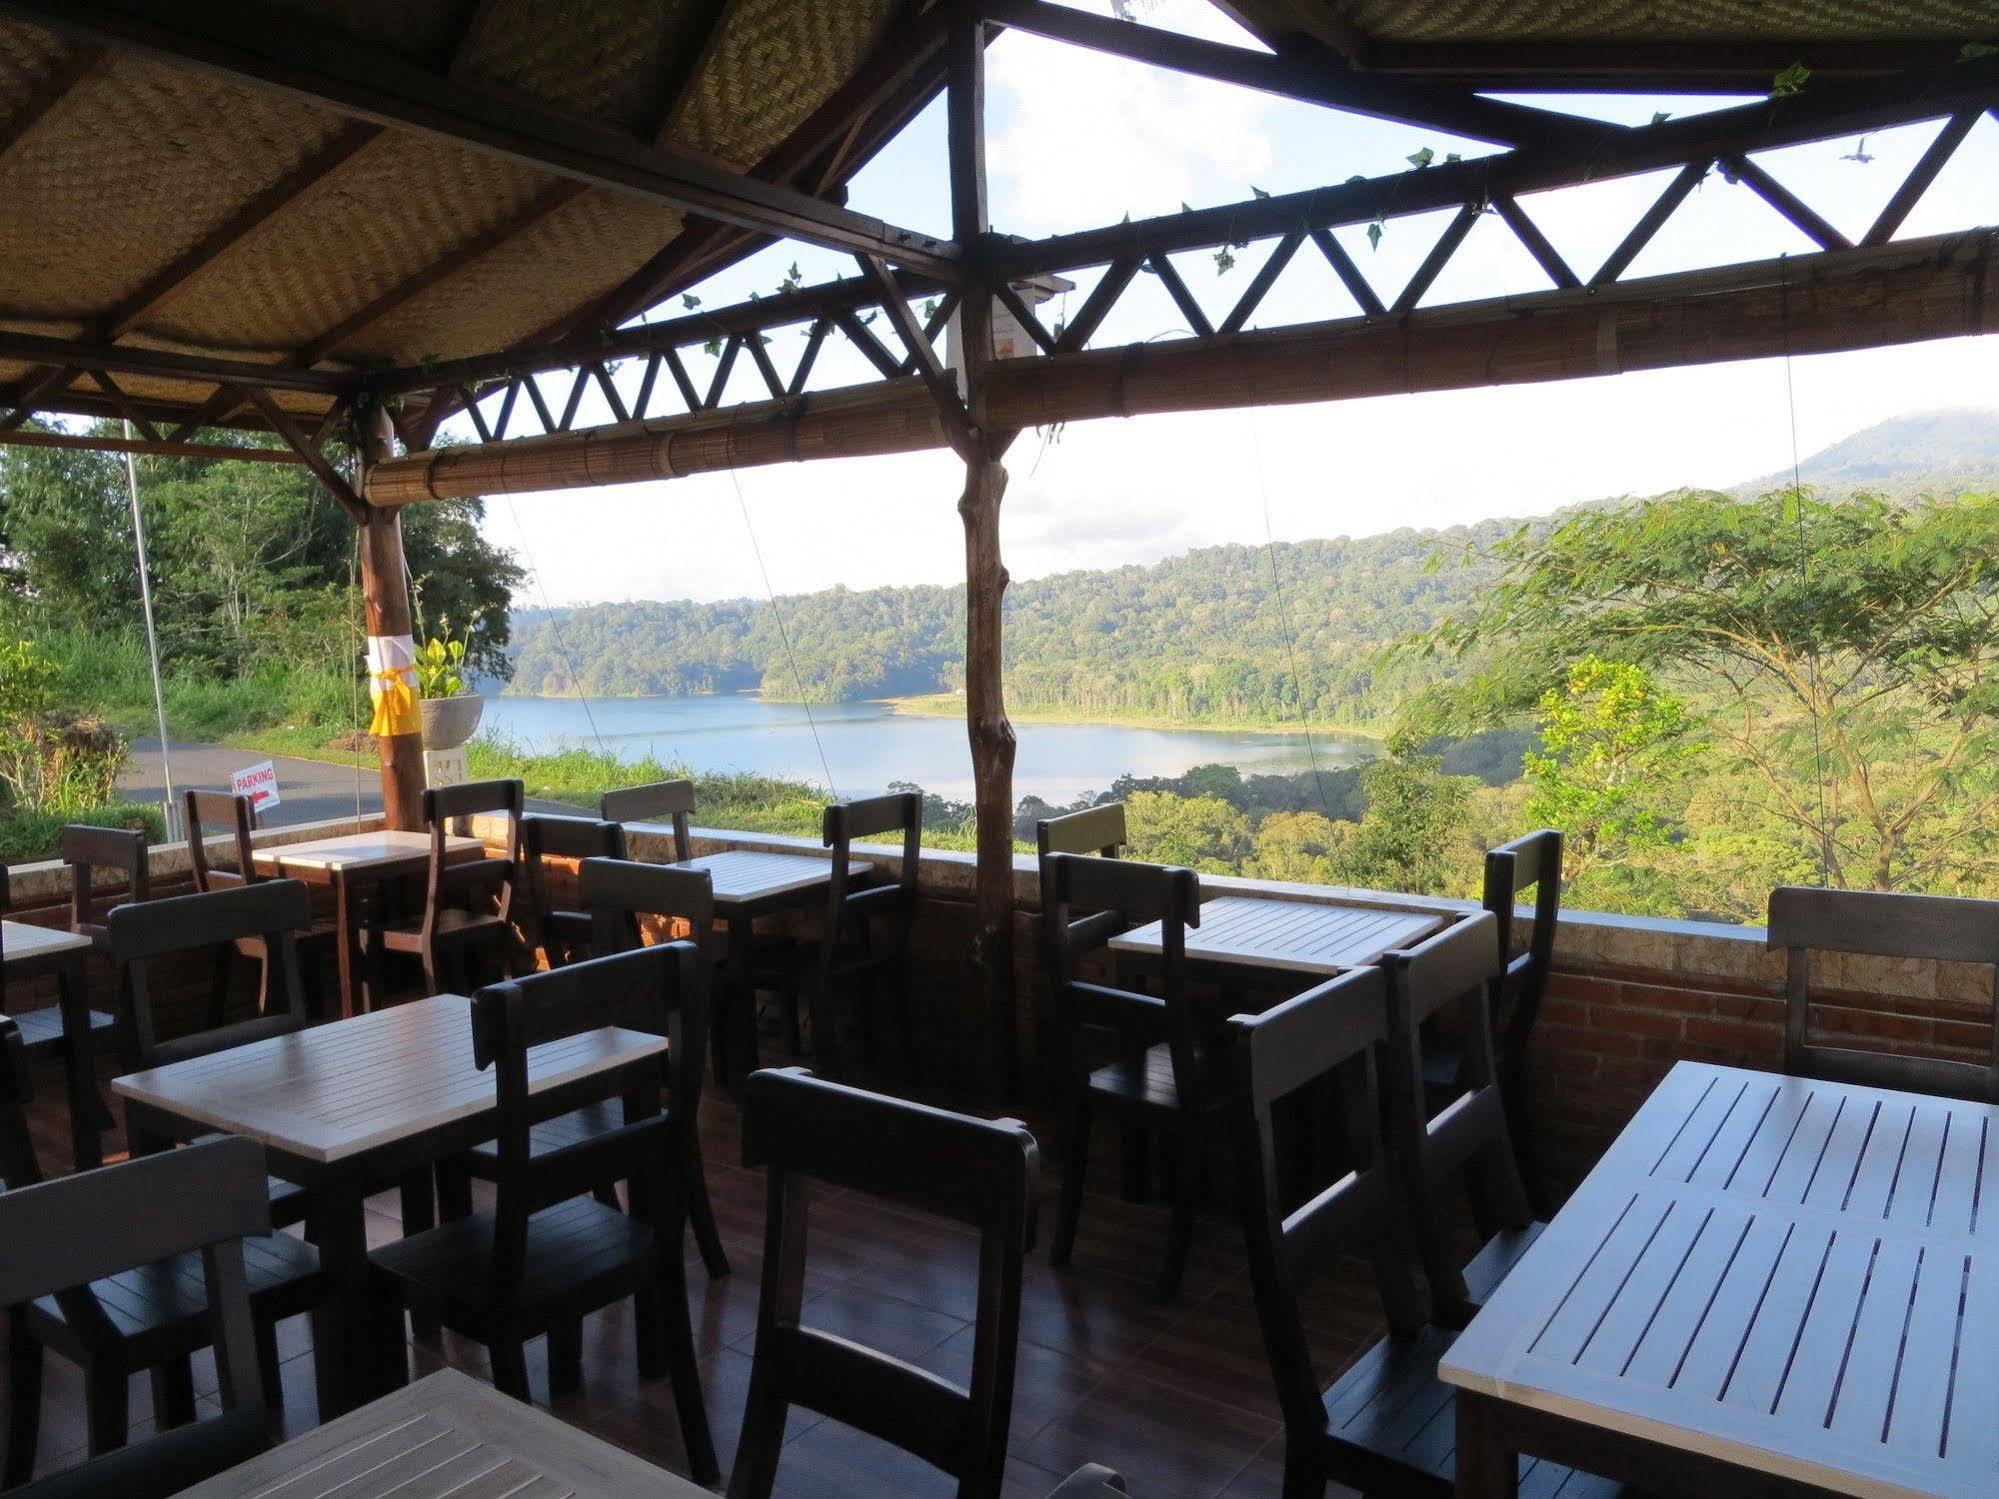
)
(308, 790)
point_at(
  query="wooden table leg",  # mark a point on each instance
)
(344, 1356)
(1487, 1467)
(73, 998)
(344, 939)
(736, 1016)
(419, 1213)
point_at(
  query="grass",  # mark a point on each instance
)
(26, 836)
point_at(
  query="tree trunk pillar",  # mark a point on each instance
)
(992, 741)
(391, 650)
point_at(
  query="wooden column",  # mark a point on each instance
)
(991, 735)
(386, 600)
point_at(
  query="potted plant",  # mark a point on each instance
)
(450, 713)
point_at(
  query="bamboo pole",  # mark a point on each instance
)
(89, 442)
(1943, 287)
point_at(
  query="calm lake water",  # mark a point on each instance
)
(868, 745)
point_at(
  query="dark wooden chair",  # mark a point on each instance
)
(1386, 1425)
(237, 818)
(548, 1252)
(1094, 830)
(45, 1036)
(659, 801)
(467, 904)
(863, 942)
(121, 852)
(561, 934)
(168, 930)
(136, 1266)
(1533, 862)
(1465, 1140)
(1164, 1075)
(617, 893)
(807, 1132)
(1878, 924)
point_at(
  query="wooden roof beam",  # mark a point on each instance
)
(161, 448)
(77, 66)
(77, 355)
(1746, 67)
(236, 41)
(1296, 73)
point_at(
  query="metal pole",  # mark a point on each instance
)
(152, 634)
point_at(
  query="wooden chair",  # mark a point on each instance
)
(45, 1036)
(561, 935)
(120, 851)
(1385, 1426)
(864, 941)
(1164, 1075)
(547, 1253)
(806, 1132)
(1094, 830)
(660, 801)
(467, 905)
(616, 893)
(1452, 975)
(237, 818)
(1533, 862)
(1878, 924)
(132, 1267)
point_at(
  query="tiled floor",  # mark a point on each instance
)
(1177, 1397)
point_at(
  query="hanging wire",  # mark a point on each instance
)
(784, 635)
(555, 629)
(1804, 562)
(355, 606)
(1284, 614)
(152, 633)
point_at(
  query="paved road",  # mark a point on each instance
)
(309, 789)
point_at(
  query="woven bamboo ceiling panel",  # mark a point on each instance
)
(1668, 20)
(146, 203)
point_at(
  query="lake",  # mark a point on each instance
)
(867, 745)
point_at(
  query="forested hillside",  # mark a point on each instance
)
(1199, 638)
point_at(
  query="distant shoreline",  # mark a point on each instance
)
(952, 705)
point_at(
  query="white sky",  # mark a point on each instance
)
(1077, 139)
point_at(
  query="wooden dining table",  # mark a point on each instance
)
(749, 883)
(1319, 938)
(447, 1436)
(28, 952)
(1767, 1285)
(353, 866)
(354, 1107)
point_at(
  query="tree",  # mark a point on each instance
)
(1841, 654)
(1614, 746)
(1411, 838)
(1194, 832)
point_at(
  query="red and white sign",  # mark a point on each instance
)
(259, 783)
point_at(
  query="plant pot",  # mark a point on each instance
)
(449, 721)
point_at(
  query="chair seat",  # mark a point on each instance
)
(1496, 1260)
(577, 1127)
(1392, 1407)
(162, 1465)
(288, 1201)
(161, 1309)
(580, 1254)
(407, 936)
(1148, 1082)
(42, 1030)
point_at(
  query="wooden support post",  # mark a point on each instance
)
(385, 594)
(992, 737)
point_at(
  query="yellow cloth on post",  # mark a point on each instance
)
(392, 686)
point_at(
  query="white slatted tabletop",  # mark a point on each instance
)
(446, 1437)
(1300, 936)
(1799, 1278)
(357, 852)
(742, 874)
(22, 942)
(336, 1091)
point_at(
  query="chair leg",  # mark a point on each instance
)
(267, 1365)
(701, 1214)
(392, 1349)
(454, 1191)
(1137, 1161)
(419, 1213)
(107, 1406)
(565, 1357)
(173, 1394)
(1187, 1174)
(1075, 1161)
(430, 983)
(510, 1363)
(762, 1438)
(24, 1403)
(825, 1038)
(674, 1338)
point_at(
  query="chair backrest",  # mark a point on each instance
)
(139, 936)
(67, 1233)
(980, 1173)
(1094, 830)
(545, 837)
(672, 801)
(1451, 973)
(1118, 895)
(86, 850)
(1329, 1035)
(236, 816)
(451, 883)
(654, 990)
(616, 892)
(1533, 862)
(1804, 920)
